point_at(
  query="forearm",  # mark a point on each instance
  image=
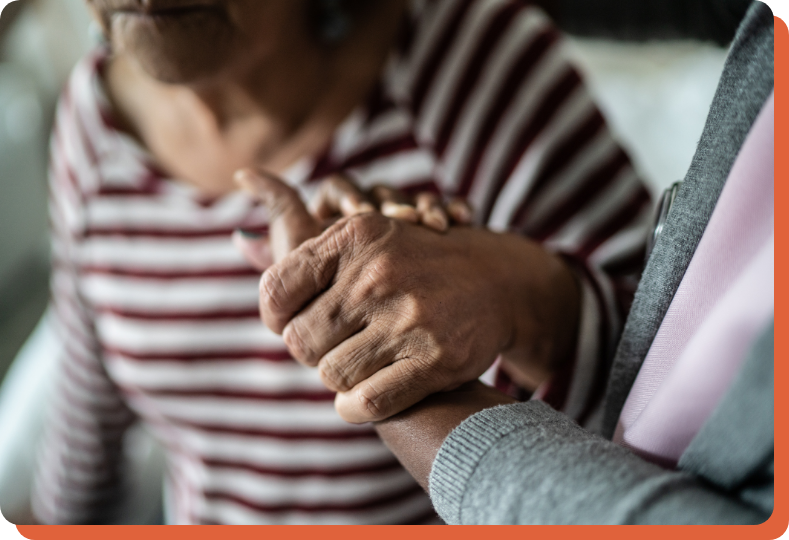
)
(544, 296)
(416, 434)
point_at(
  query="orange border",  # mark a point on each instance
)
(772, 528)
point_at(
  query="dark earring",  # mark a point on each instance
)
(333, 21)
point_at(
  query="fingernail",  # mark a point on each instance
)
(366, 208)
(249, 234)
(460, 212)
(400, 211)
(438, 220)
(348, 206)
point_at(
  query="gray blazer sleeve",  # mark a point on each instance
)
(529, 464)
(713, 20)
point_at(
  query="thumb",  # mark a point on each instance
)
(290, 223)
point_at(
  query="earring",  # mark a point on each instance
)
(334, 21)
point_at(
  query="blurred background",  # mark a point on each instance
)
(655, 95)
(39, 42)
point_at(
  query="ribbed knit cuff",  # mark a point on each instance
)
(466, 446)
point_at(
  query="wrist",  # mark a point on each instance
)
(416, 434)
(544, 299)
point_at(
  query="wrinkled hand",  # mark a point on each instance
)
(292, 223)
(391, 312)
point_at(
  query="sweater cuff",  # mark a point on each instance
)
(466, 446)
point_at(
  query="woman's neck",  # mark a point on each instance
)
(269, 110)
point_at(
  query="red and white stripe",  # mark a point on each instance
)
(159, 311)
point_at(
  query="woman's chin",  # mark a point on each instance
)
(181, 47)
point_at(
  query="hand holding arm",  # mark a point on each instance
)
(391, 313)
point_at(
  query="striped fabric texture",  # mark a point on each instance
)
(158, 312)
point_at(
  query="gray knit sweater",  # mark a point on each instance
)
(528, 464)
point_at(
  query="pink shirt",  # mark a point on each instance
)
(724, 300)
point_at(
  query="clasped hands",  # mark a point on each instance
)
(393, 309)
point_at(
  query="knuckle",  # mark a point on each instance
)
(427, 362)
(333, 374)
(374, 404)
(297, 345)
(364, 228)
(315, 258)
(417, 370)
(272, 294)
(415, 316)
(382, 278)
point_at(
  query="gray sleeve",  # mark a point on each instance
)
(713, 20)
(528, 464)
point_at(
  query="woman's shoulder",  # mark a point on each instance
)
(84, 103)
(450, 42)
(87, 142)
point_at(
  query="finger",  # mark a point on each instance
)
(394, 204)
(382, 194)
(255, 248)
(338, 196)
(389, 391)
(431, 212)
(460, 211)
(290, 224)
(288, 286)
(357, 358)
(325, 323)
(404, 212)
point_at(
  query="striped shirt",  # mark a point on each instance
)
(159, 312)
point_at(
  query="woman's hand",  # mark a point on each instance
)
(337, 197)
(391, 312)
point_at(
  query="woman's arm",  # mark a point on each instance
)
(78, 476)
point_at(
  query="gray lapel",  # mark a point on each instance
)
(742, 423)
(746, 83)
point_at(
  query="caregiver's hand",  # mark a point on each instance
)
(391, 312)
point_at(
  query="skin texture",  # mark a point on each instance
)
(415, 435)
(213, 86)
(391, 312)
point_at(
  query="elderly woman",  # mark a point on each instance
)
(470, 98)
